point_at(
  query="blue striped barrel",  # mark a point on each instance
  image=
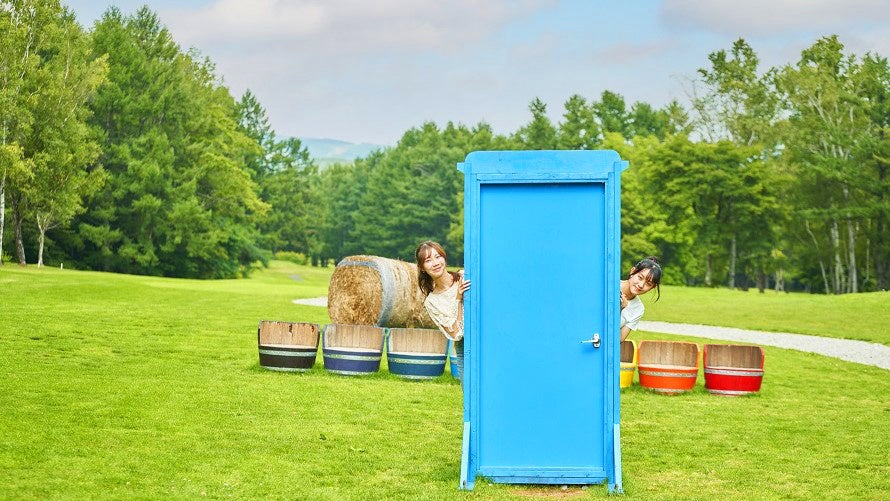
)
(287, 346)
(352, 350)
(452, 360)
(416, 353)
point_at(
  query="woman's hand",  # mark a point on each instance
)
(623, 301)
(463, 286)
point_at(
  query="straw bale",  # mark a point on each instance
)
(371, 290)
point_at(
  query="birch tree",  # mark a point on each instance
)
(828, 125)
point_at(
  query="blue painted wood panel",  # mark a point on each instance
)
(541, 294)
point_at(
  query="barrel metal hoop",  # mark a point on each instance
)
(730, 372)
(352, 357)
(414, 361)
(668, 374)
(286, 353)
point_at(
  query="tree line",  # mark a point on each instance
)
(121, 152)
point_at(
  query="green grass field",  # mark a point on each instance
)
(865, 317)
(117, 386)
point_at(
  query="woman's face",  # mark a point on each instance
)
(434, 264)
(640, 283)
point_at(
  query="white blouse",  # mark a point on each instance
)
(442, 307)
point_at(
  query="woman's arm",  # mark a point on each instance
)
(457, 328)
(625, 331)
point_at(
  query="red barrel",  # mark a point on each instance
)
(732, 369)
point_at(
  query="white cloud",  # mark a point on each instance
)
(774, 17)
(345, 26)
(630, 53)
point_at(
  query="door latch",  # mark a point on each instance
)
(595, 340)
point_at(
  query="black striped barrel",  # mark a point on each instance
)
(287, 346)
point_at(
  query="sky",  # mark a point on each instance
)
(366, 71)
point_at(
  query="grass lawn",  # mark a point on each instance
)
(865, 317)
(118, 386)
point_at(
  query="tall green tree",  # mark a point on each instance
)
(578, 130)
(283, 171)
(741, 105)
(49, 78)
(539, 133)
(825, 95)
(179, 200)
(611, 113)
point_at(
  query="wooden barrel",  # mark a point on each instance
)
(416, 353)
(628, 362)
(373, 290)
(352, 350)
(733, 369)
(668, 367)
(287, 346)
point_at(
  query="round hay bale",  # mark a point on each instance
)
(371, 290)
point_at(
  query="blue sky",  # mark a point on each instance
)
(366, 71)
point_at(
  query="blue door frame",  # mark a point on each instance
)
(542, 246)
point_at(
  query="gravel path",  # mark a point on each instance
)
(859, 352)
(313, 301)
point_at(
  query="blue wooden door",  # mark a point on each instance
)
(541, 281)
(541, 405)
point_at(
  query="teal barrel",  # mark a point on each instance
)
(416, 353)
(352, 350)
(287, 346)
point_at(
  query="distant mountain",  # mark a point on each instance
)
(330, 151)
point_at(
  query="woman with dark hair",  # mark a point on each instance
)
(444, 291)
(643, 277)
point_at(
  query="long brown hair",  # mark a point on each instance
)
(424, 280)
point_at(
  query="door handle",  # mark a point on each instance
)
(595, 340)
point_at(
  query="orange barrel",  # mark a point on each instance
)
(628, 362)
(416, 353)
(668, 366)
(733, 369)
(352, 350)
(287, 346)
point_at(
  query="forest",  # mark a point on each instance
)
(120, 151)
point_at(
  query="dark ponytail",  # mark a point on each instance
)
(651, 264)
